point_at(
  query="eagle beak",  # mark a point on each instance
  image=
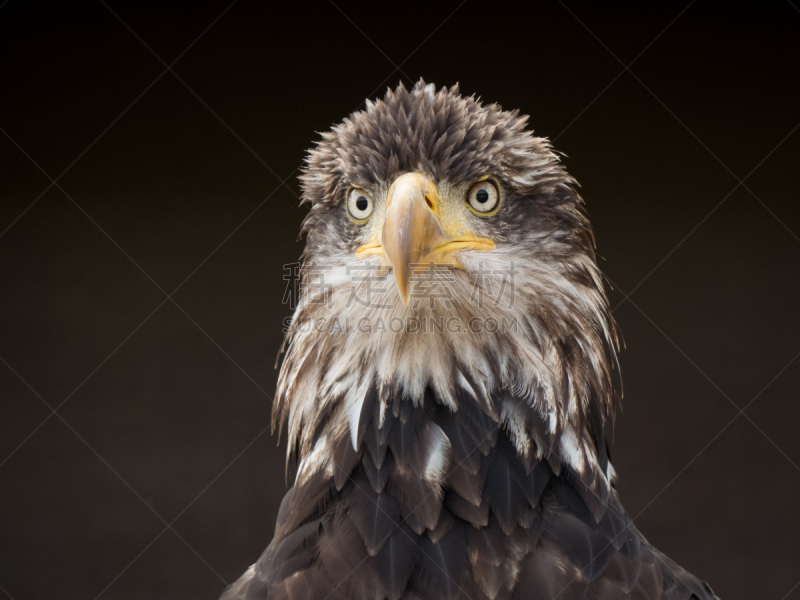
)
(413, 237)
(411, 228)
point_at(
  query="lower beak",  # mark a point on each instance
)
(412, 237)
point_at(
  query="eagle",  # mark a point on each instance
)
(449, 380)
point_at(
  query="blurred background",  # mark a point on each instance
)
(141, 292)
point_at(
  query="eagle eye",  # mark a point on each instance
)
(359, 205)
(483, 197)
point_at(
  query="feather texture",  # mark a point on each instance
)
(532, 536)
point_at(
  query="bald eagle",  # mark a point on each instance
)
(449, 374)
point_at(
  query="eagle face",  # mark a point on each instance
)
(447, 250)
(447, 378)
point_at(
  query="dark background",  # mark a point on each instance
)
(171, 182)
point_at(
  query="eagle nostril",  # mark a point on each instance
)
(428, 202)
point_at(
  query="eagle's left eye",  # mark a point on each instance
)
(359, 205)
(483, 197)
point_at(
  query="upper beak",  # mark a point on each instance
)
(411, 228)
(413, 237)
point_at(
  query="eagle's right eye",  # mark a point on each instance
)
(359, 205)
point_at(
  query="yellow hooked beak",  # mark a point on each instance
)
(413, 238)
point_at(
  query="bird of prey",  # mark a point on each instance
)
(449, 375)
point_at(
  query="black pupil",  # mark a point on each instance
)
(482, 196)
(362, 203)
